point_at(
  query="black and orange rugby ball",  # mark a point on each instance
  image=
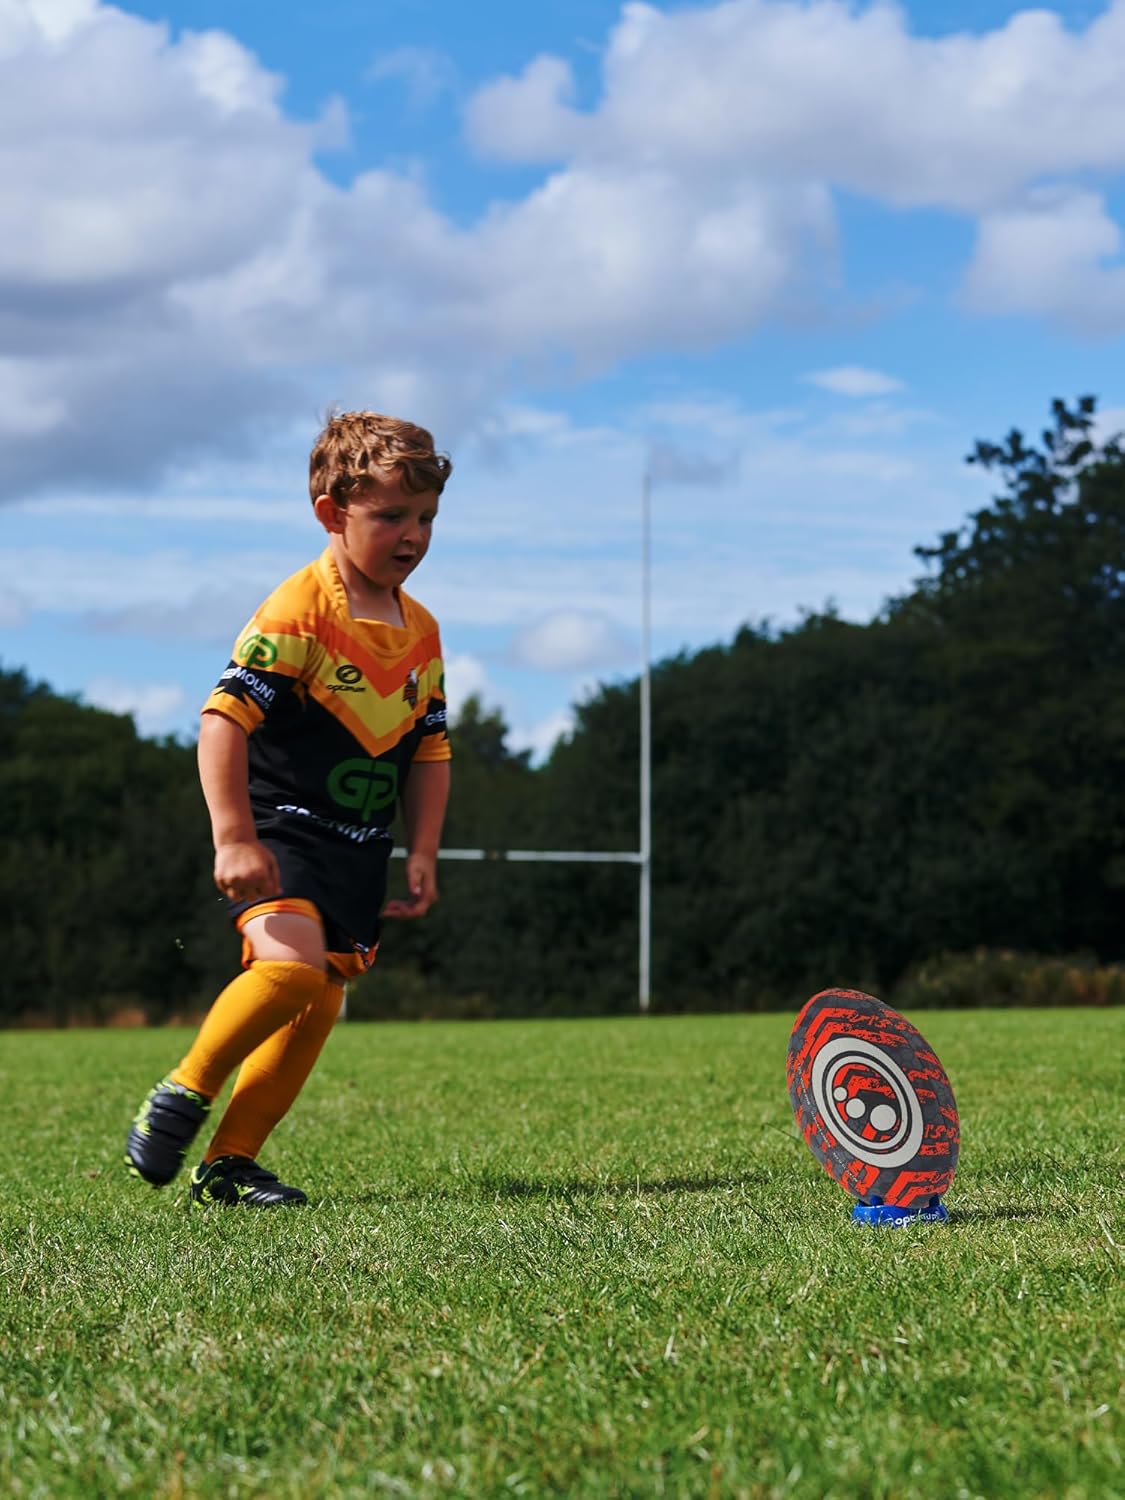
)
(872, 1100)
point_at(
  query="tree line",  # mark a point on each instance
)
(833, 804)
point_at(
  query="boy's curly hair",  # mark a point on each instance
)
(353, 444)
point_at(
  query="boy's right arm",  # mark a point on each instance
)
(245, 870)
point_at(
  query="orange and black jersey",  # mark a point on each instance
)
(337, 710)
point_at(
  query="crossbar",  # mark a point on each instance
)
(541, 856)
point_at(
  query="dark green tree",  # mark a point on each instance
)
(104, 862)
(1028, 604)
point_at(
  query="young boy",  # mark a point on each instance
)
(331, 713)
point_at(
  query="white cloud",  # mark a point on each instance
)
(515, 595)
(465, 677)
(427, 73)
(200, 510)
(540, 739)
(51, 21)
(131, 165)
(538, 103)
(178, 277)
(830, 94)
(571, 640)
(1048, 254)
(832, 91)
(140, 161)
(606, 261)
(855, 380)
(155, 706)
(107, 585)
(211, 615)
(26, 411)
(1109, 423)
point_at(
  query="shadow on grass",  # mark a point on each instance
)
(496, 1189)
(1005, 1214)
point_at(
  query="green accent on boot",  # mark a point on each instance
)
(239, 1182)
(163, 1128)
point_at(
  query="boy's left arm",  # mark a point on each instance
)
(423, 809)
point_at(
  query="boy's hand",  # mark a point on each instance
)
(421, 882)
(246, 871)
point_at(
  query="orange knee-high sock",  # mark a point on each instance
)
(263, 998)
(272, 1077)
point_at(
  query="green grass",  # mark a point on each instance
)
(565, 1258)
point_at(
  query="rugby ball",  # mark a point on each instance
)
(872, 1100)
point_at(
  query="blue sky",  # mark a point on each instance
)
(792, 258)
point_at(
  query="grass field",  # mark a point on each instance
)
(565, 1258)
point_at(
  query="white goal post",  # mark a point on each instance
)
(642, 858)
(575, 857)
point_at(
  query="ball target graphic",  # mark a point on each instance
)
(872, 1100)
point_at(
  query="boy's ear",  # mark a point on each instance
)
(328, 513)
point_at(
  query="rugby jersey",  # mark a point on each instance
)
(336, 709)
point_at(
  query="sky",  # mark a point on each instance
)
(789, 258)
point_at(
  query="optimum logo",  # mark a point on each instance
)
(363, 786)
(348, 678)
(257, 651)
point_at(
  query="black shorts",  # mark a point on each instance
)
(342, 878)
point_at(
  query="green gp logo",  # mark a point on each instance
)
(363, 785)
(257, 651)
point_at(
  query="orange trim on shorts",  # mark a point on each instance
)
(295, 904)
(348, 965)
(352, 965)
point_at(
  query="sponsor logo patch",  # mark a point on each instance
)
(351, 831)
(348, 679)
(257, 651)
(260, 691)
(363, 786)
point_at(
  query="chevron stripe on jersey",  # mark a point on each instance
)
(330, 702)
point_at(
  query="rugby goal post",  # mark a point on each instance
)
(642, 857)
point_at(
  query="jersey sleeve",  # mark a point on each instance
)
(434, 742)
(270, 658)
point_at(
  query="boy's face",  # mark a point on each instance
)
(384, 531)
